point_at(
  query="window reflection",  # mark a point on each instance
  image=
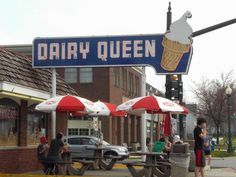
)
(36, 125)
(9, 114)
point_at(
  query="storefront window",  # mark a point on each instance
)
(73, 131)
(36, 125)
(9, 112)
(84, 131)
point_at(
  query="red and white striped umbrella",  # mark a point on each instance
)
(153, 104)
(68, 103)
(108, 109)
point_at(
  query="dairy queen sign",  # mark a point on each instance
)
(167, 53)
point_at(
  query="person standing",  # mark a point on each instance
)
(56, 148)
(199, 135)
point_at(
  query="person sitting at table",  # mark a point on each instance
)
(167, 145)
(148, 145)
(57, 147)
(42, 150)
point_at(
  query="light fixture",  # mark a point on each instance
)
(228, 90)
(17, 95)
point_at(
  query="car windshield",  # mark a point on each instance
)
(106, 143)
(84, 140)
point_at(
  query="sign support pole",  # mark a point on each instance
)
(53, 115)
(143, 118)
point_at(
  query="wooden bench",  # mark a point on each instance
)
(100, 162)
(97, 162)
(85, 165)
(161, 169)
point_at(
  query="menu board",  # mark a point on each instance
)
(8, 112)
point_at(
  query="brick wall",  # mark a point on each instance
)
(23, 158)
(19, 160)
(98, 89)
(106, 128)
(127, 130)
(22, 138)
(61, 123)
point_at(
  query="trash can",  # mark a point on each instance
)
(179, 159)
(158, 146)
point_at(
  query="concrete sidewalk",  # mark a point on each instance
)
(121, 171)
(219, 172)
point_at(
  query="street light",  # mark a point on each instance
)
(228, 92)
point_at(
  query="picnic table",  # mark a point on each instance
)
(69, 169)
(100, 161)
(154, 165)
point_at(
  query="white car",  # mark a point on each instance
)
(79, 146)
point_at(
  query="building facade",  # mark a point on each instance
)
(114, 85)
(21, 88)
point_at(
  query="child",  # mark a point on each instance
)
(207, 150)
(42, 150)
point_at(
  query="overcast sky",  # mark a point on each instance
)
(214, 52)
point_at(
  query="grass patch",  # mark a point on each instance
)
(217, 153)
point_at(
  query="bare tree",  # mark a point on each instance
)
(212, 99)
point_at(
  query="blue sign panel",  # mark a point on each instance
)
(140, 50)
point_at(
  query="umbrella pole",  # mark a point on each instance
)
(53, 114)
(143, 134)
(170, 125)
(151, 126)
(67, 132)
(143, 119)
(158, 127)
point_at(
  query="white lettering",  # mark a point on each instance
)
(150, 48)
(72, 50)
(63, 51)
(54, 51)
(125, 49)
(102, 51)
(42, 51)
(83, 50)
(138, 48)
(114, 54)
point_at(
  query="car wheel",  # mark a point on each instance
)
(108, 160)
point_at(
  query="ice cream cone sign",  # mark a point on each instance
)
(176, 42)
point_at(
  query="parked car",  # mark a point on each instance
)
(79, 144)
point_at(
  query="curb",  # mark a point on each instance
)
(37, 175)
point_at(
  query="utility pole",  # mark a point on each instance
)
(169, 20)
(174, 84)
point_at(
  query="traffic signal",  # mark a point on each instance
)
(174, 87)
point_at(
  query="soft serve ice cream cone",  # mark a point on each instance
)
(176, 43)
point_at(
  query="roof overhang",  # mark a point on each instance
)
(23, 92)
